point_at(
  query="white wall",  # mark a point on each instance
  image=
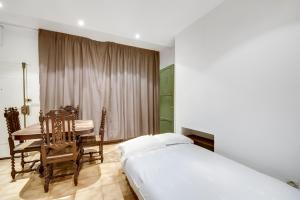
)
(238, 77)
(167, 57)
(18, 45)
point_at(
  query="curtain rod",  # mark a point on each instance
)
(18, 26)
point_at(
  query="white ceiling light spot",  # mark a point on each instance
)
(80, 22)
(1, 5)
(137, 36)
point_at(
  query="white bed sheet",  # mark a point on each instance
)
(189, 172)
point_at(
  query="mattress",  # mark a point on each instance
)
(187, 171)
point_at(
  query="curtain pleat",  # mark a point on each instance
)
(92, 74)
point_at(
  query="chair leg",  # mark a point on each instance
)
(51, 170)
(47, 178)
(79, 157)
(76, 172)
(91, 156)
(13, 170)
(22, 161)
(41, 167)
(101, 153)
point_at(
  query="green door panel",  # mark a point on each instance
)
(166, 126)
(167, 81)
(166, 107)
(167, 99)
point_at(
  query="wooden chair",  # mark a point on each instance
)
(59, 143)
(71, 109)
(13, 124)
(92, 140)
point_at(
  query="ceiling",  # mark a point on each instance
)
(157, 21)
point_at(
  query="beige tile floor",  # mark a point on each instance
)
(103, 181)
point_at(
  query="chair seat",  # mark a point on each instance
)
(90, 138)
(31, 145)
(59, 156)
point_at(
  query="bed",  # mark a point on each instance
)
(178, 171)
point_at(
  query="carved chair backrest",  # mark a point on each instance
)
(12, 122)
(58, 128)
(102, 124)
(71, 109)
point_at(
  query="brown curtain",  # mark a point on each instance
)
(80, 71)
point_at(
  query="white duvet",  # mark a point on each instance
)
(189, 172)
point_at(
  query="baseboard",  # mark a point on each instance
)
(113, 141)
(6, 158)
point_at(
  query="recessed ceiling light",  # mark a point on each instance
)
(80, 22)
(1, 5)
(137, 36)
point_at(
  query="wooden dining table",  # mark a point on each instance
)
(31, 132)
